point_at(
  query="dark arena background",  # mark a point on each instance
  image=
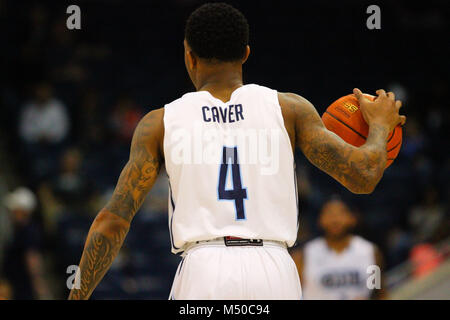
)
(127, 59)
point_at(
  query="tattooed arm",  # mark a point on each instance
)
(111, 225)
(357, 169)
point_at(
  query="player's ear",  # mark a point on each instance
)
(189, 57)
(192, 59)
(247, 53)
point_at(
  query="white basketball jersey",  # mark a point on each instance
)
(230, 167)
(337, 276)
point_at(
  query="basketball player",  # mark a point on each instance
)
(336, 266)
(230, 219)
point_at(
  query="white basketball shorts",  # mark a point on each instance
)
(212, 271)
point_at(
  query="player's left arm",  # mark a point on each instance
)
(112, 223)
(359, 169)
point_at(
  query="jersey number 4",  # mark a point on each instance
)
(237, 194)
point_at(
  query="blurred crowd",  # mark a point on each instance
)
(69, 107)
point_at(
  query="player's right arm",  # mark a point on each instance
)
(357, 169)
(110, 227)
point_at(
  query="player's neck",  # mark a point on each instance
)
(220, 81)
(338, 244)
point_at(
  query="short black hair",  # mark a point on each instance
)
(217, 31)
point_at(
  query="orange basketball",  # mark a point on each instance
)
(344, 118)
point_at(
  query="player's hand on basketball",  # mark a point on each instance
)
(383, 110)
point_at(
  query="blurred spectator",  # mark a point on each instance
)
(38, 25)
(91, 120)
(64, 66)
(334, 266)
(43, 126)
(23, 264)
(124, 119)
(68, 189)
(414, 139)
(427, 217)
(399, 243)
(70, 185)
(44, 119)
(5, 290)
(425, 259)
